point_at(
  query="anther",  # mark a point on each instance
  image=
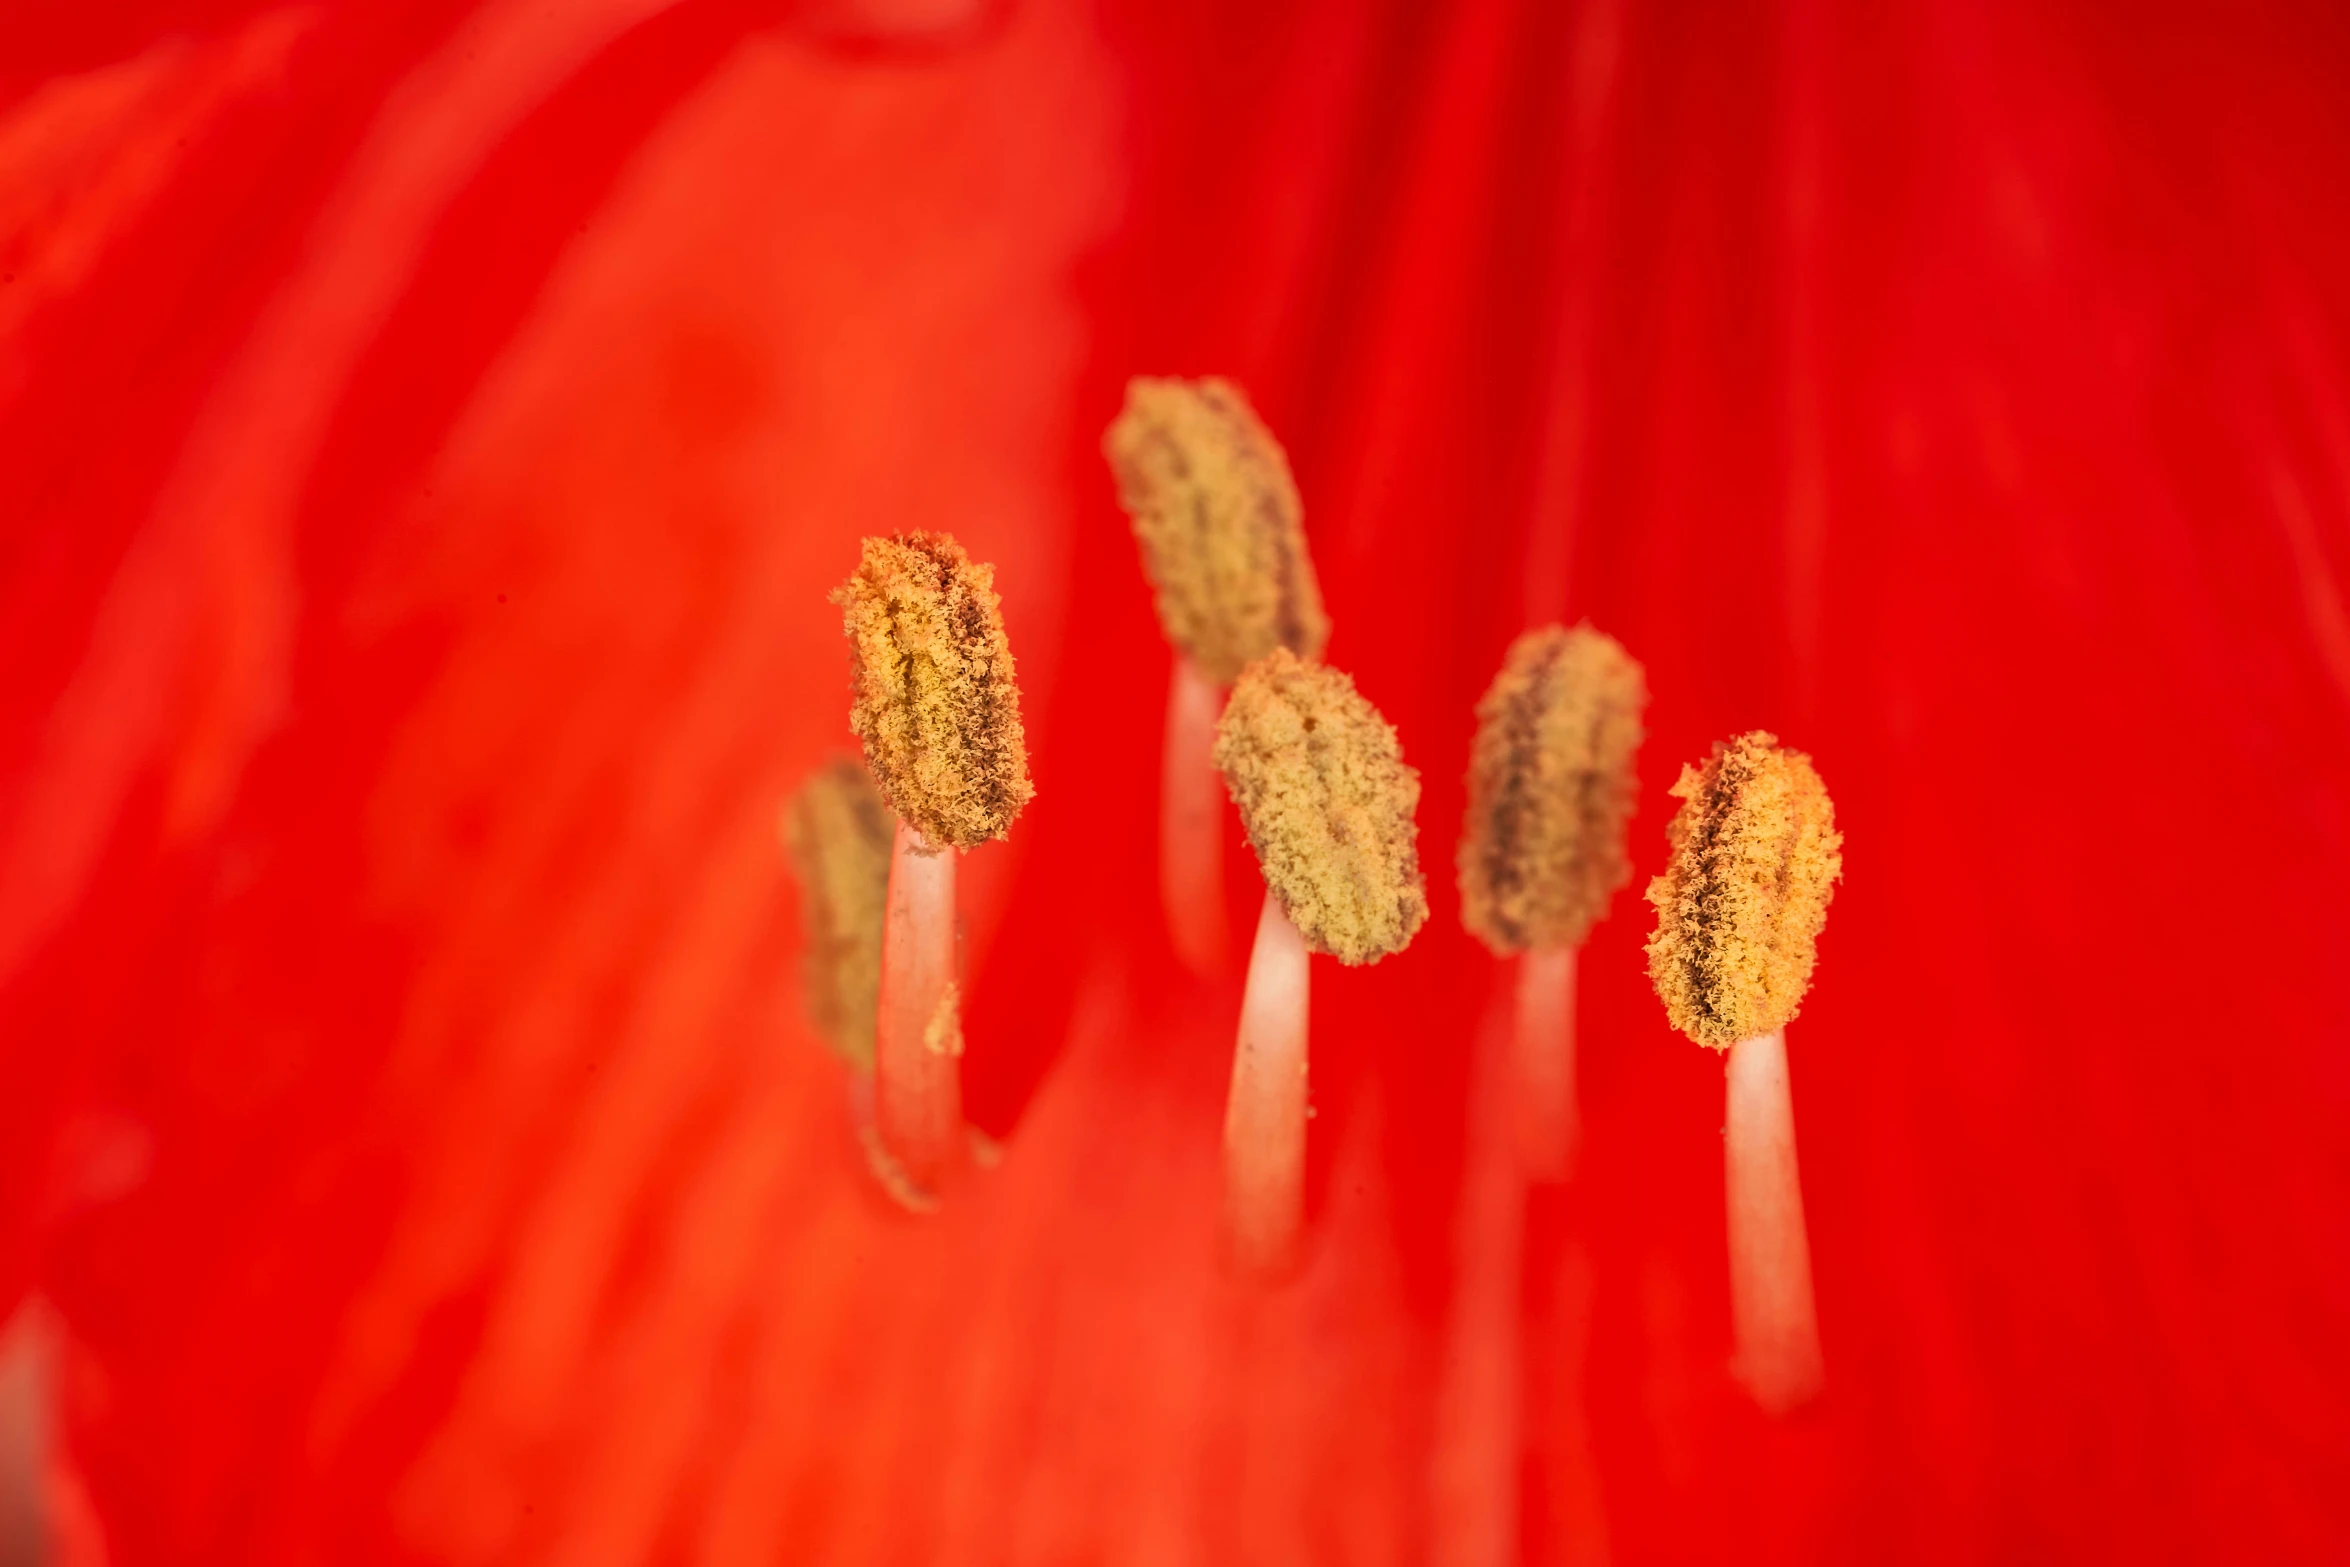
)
(1217, 515)
(1740, 907)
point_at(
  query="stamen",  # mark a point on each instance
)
(1327, 800)
(1216, 514)
(1740, 908)
(936, 706)
(1552, 785)
(1191, 823)
(838, 832)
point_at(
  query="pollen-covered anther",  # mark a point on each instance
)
(1217, 515)
(1328, 802)
(1552, 786)
(1742, 902)
(933, 694)
(838, 831)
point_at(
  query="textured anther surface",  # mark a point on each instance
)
(1327, 800)
(1552, 786)
(1740, 906)
(1218, 519)
(932, 691)
(838, 830)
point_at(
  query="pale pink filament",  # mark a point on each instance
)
(1777, 1333)
(1191, 823)
(918, 1095)
(1265, 1118)
(1548, 1123)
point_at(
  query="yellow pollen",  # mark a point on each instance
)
(943, 1034)
(1327, 799)
(1740, 906)
(1552, 785)
(1218, 519)
(933, 694)
(839, 831)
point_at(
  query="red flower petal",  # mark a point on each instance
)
(430, 437)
